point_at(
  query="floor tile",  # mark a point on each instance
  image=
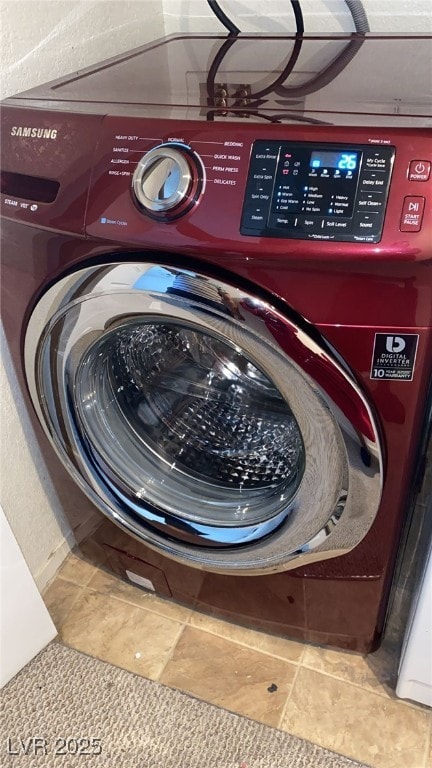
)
(110, 584)
(229, 675)
(375, 672)
(121, 633)
(340, 700)
(76, 569)
(275, 646)
(59, 599)
(355, 722)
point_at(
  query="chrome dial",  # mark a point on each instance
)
(162, 179)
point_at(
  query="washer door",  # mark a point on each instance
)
(201, 420)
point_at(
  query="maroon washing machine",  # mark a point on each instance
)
(217, 296)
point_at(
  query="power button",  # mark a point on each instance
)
(419, 170)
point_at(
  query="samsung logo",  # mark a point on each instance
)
(34, 133)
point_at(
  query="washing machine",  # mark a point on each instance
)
(217, 295)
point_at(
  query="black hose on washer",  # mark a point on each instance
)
(233, 30)
(322, 79)
(326, 76)
(223, 18)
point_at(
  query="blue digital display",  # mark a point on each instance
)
(342, 161)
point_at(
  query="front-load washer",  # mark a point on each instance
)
(217, 295)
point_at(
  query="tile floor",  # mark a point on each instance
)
(336, 699)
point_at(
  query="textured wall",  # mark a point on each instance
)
(275, 16)
(42, 40)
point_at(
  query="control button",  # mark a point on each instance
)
(367, 224)
(282, 221)
(412, 214)
(267, 165)
(254, 220)
(373, 180)
(310, 223)
(262, 177)
(258, 186)
(261, 196)
(419, 170)
(376, 161)
(370, 201)
(335, 225)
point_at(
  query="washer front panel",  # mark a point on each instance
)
(228, 348)
(338, 219)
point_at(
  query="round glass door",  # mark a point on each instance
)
(201, 420)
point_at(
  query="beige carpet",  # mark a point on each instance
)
(64, 699)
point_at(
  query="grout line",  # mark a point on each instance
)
(170, 655)
(79, 593)
(60, 578)
(382, 694)
(303, 653)
(71, 581)
(288, 698)
(244, 644)
(121, 598)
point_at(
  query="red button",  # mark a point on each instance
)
(419, 170)
(412, 214)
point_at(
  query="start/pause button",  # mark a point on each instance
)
(412, 214)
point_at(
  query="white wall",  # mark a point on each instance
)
(41, 40)
(44, 39)
(275, 16)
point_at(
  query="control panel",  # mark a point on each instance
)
(233, 190)
(317, 191)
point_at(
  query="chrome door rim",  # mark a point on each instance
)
(340, 491)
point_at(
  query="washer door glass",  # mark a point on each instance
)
(202, 420)
(183, 420)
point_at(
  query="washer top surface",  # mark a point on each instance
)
(343, 79)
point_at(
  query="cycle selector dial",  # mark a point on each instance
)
(168, 181)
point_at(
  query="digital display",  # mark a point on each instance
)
(320, 191)
(317, 181)
(343, 161)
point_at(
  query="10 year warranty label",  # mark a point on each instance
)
(394, 356)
